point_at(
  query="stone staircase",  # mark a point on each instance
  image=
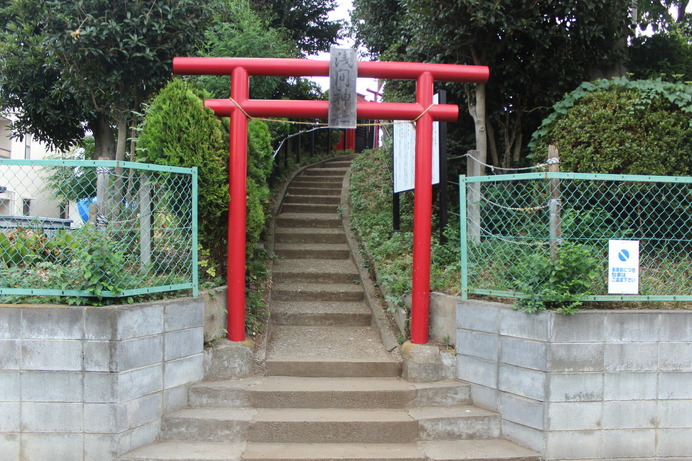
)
(330, 391)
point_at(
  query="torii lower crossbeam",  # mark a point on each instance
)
(240, 107)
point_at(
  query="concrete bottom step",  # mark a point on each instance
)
(463, 450)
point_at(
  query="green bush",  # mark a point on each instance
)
(621, 127)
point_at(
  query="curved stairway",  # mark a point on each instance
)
(331, 391)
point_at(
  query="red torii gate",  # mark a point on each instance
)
(239, 107)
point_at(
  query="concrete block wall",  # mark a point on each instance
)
(91, 383)
(606, 385)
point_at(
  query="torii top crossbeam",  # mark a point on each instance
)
(239, 107)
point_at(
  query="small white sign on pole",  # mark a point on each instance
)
(623, 267)
(405, 155)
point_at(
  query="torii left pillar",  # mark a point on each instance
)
(239, 107)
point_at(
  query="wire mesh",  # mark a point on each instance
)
(96, 228)
(514, 224)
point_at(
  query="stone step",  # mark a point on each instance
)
(308, 208)
(315, 271)
(323, 200)
(300, 291)
(302, 392)
(319, 191)
(328, 351)
(317, 177)
(461, 450)
(333, 451)
(308, 220)
(320, 313)
(309, 235)
(322, 425)
(334, 368)
(338, 251)
(331, 170)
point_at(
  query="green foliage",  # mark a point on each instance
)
(665, 55)
(623, 127)
(65, 63)
(304, 22)
(239, 31)
(556, 283)
(82, 259)
(179, 131)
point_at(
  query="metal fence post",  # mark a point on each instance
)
(554, 204)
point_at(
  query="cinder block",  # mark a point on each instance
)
(630, 386)
(576, 357)
(184, 343)
(528, 437)
(10, 323)
(522, 381)
(101, 418)
(621, 444)
(41, 447)
(520, 410)
(144, 435)
(675, 326)
(575, 416)
(56, 386)
(181, 314)
(175, 398)
(583, 327)
(100, 356)
(675, 356)
(143, 410)
(9, 386)
(477, 371)
(9, 417)
(139, 320)
(633, 414)
(53, 322)
(62, 355)
(573, 445)
(139, 352)
(52, 417)
(576, 387)
(9, 354)
(524, 353)
(100, 447)
(674, 443)
(632, 326)
(136, 383)
(675, 386)
(479, 316)
(100, 323)
(675, 414)
(485, 397)
(631, 357)
(9, 445)
(479, 345)
(183, 371)
(100, 387)
(523, 325)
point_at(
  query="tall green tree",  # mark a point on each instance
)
(66, 65)
(536, 52)
(304, 22)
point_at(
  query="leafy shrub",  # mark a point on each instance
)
(556, 283)
(621, 127)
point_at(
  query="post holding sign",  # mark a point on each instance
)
(343, 74)
(623, 267)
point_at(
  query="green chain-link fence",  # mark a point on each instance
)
(96, 228)
(514, 226)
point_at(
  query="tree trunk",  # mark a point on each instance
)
(104, 142)
(477, 111)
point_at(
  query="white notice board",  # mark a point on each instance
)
(405, 155)
(623, 267)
